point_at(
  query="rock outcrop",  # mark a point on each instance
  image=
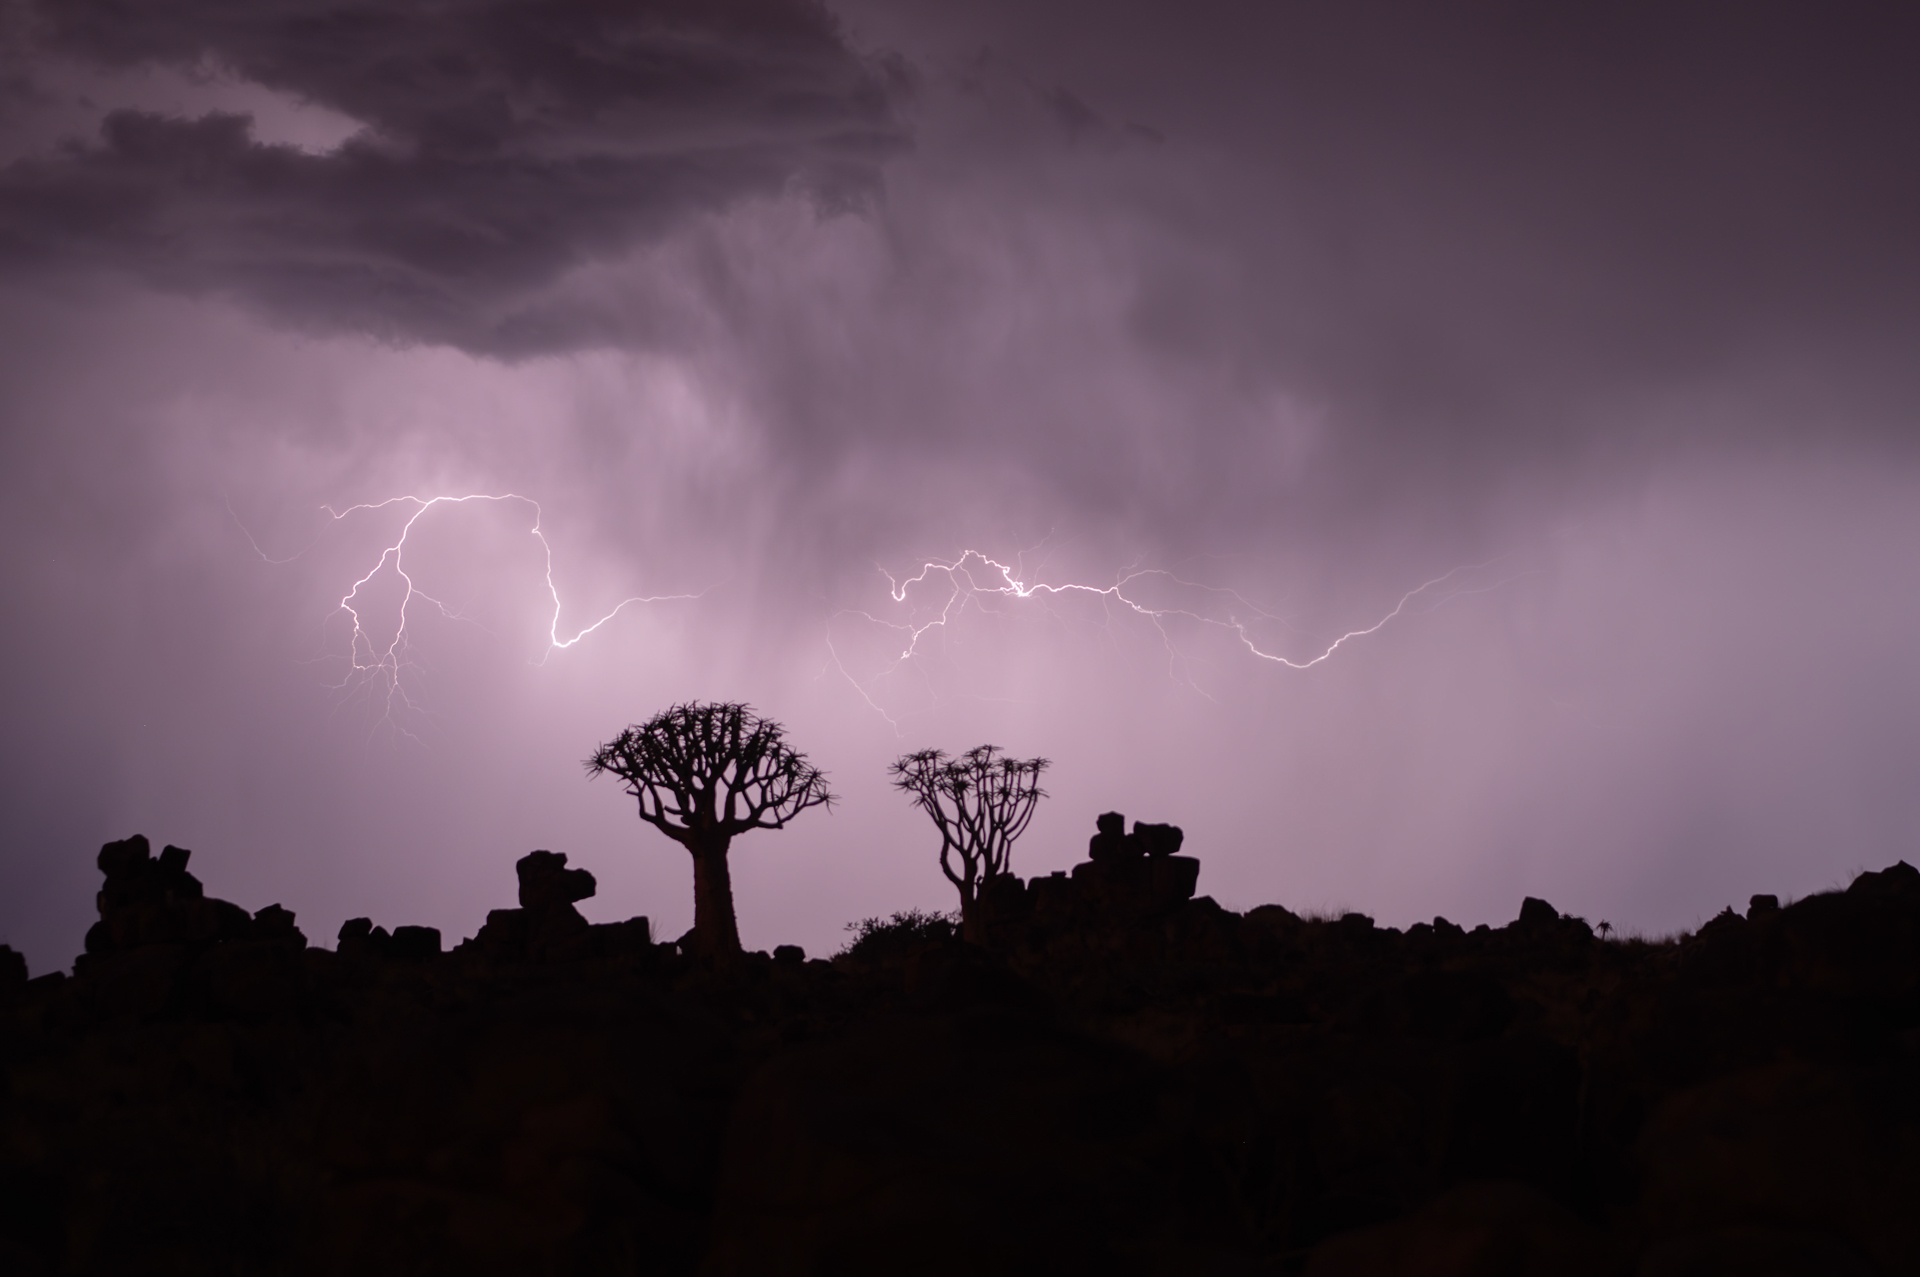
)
(546, 927)
(1125, 1078)
(1126, 878)
(145, 902)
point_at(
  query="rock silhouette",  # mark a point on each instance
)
(546, 927)
(145, 901)
(1112, 842)
(1123, 1078)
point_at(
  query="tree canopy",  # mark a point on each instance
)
(702, 773)
(980, 802)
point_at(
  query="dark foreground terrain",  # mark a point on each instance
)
(1121, 1080)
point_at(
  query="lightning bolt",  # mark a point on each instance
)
(974, 579)
(381, 667)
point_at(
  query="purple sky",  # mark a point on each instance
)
(1611, 308)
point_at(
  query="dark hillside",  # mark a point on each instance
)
(1123, 1079)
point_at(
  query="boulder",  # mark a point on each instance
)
(148, 901)
(359, 938)
(1129, 877)
(547, 883)
(546, 927)
(274, 925)
(1111, 842)
(1899, 879)
(1536, 914)
(1136, 888)
(1157, 840)
(414, 944)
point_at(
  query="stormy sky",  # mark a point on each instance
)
(1576, 343)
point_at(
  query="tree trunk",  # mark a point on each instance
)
(972, 926)
(715, 932)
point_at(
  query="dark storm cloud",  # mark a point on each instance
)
(504, 142)
(1500, 214)
(1487, 247)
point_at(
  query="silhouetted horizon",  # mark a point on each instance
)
(1108, 1071)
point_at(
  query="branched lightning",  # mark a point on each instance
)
(973, 578)
(381, 667)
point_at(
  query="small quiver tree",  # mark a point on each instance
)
(703, 773)
(980, 803)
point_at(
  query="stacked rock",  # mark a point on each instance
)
(148, 901)
(1136, 875)
(1146, 841)
(546, 927)
(1127, 877)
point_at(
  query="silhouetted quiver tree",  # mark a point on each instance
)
(703, 773)
(980, 803)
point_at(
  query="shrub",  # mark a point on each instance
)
(874, 938)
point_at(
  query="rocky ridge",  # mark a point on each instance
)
(1124, 1078)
